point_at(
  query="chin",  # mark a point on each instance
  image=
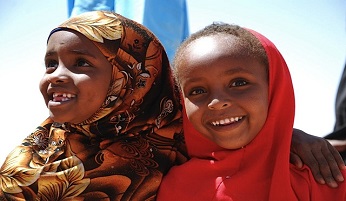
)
(56, 119)
(231, 145)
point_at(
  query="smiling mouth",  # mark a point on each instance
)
(62, 97)
(227, 121)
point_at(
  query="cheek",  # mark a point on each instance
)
(260, 108)
(192, 112)
(97, 91)
(43, 86)
(93, 95)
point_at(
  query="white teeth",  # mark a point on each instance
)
(63, 96)
(226, 121)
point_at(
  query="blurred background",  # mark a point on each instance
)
(311, 35)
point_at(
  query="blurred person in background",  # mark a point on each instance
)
(338, 137)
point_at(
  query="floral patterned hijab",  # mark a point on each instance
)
(124, 149)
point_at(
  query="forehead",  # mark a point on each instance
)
(202, 46)
(209, 49)
(217, 45)
(71, 42)
(70, 38)
(213, 52)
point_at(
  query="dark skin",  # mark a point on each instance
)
(317, 153)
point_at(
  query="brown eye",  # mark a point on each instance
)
(82, 63)
(197, 91)
(51, 64)
(239, 83)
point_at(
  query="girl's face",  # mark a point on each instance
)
(225, 93)
(77, 77)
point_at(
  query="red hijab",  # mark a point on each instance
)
(259, 171)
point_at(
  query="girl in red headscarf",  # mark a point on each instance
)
(239, 112)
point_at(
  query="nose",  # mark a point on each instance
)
(219, 103)
(59, 75)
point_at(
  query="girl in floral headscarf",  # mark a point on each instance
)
(118, 151)
(115, 119)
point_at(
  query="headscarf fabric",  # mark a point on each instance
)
(123, 150)
(258, 171)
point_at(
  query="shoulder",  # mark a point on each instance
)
(307, 188)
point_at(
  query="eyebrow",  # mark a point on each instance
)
(228, 72)
(238, 70)
(74, 51)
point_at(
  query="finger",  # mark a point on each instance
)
(296, 160)
(315, 167)
(336, 163)
(325, 168)
(338, 158)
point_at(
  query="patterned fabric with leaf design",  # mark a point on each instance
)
(125, 148)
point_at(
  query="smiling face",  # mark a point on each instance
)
(225, 93)
(77, 77)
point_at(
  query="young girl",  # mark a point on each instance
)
(239, 104)
(115, 123)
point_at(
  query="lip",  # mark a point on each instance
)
(59, 102)
(52, 104)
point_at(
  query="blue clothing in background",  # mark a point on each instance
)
(168, 19)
